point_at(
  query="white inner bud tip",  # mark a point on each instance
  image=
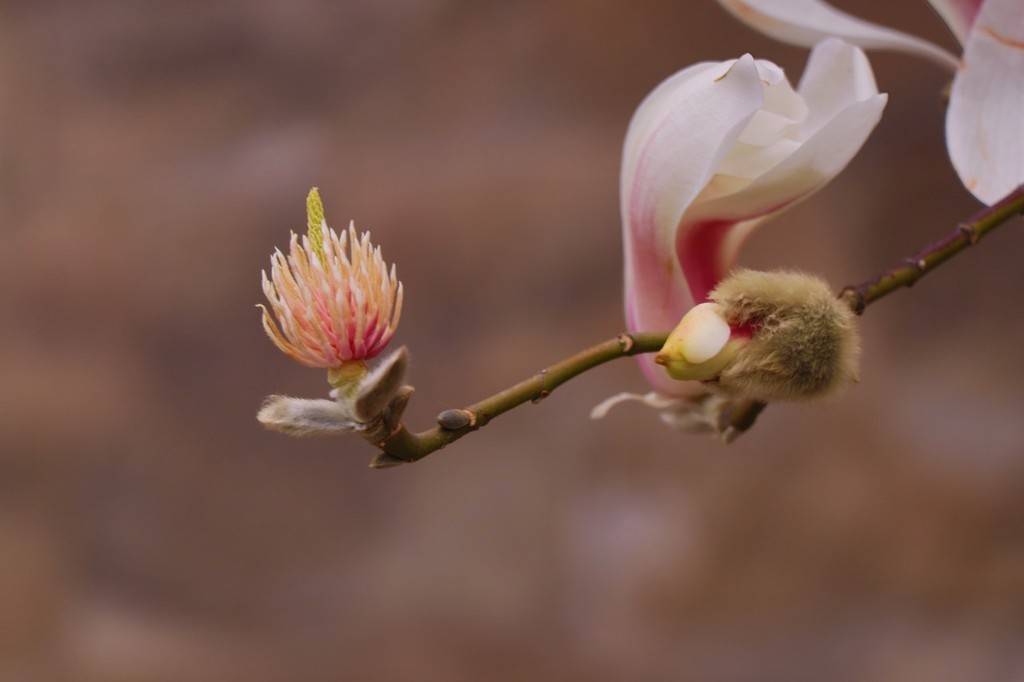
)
(702, 333)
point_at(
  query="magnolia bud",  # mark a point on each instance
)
(766, 336)
(700, 347)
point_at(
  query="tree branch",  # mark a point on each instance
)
(968, 233)
(400, 446)
(403, 446)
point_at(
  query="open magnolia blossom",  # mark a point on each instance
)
(337, 306)
(984, 125)
(713, 151)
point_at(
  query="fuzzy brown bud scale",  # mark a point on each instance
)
(803, 340)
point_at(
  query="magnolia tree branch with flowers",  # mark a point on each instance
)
(710, 154)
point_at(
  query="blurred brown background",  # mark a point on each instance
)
(152, 154)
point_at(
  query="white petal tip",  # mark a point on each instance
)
(702, 333)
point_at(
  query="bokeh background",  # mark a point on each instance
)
(152, 154)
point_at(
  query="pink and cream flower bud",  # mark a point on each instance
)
(335, 300)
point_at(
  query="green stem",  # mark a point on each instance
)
(403, 446)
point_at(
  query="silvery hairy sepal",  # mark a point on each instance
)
(367, 405)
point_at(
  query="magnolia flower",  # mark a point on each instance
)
(984, 125)
(713, 151)
(716, 149)
(337, 305)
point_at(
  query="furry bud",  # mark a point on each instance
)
(304, 417)
(802, 341)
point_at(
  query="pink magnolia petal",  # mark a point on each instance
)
(721, 226)
(844, 108)
(675, 140)
(805, 22)
(678, 136)
(959, 14)
(985, 122)
(837, 76)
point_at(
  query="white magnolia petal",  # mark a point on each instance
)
(697, 413)
(809, 169)
(652, 399)
(985, 123)
(959, 14)
(750, 161)
(688, 421)
(767, 126)
(805, 22)
(783, 109)
(677, 138)
(837, 75)
(651, 111)
(839, 81)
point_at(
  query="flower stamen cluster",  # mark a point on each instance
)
(334, 299)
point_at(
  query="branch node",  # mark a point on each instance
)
(853, 297)
(626, 342)
(918, 264)
(456, 420)
(544, 393)
(970, 232)
(396, 408)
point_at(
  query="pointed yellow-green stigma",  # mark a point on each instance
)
(315, 223)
